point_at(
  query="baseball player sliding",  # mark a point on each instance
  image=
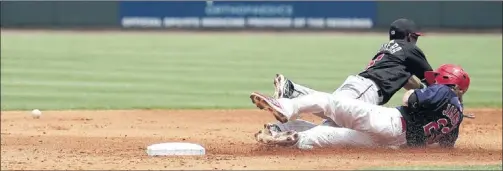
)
(392, 67)
(428, 115)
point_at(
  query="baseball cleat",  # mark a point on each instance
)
(287, 138)
(267, 132)
(270, 104)
(283, 88)
(272, 127)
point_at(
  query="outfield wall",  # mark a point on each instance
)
(249, 14)
(59, 14)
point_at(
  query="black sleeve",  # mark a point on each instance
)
(413, 102)
(449, 140)
(418, 63)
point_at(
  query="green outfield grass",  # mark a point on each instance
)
(482, 167)
(169, 70)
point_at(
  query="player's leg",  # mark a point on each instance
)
(353, 87)
(285, 88)
(317, 137)
(285, 109)
(327, 136)
(297, 125)
(356, 87)
(346, 112)
(272, 129)
(385, 123)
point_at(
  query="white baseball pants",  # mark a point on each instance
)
(363, 122)
(312, 135)
(354, 86)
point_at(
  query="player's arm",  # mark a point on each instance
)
(419, 64)
(414, 83)
(407, 100)
(417, 99)
(411, 100)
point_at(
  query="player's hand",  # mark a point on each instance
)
(413, 83)
(406, 96)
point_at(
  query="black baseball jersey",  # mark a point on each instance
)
(393, 65)
(433, 115)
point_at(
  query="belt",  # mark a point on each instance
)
(379, 91)
(404, 124)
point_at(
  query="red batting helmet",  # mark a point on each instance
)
(449, 74)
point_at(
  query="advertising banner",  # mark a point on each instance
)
(248, 14)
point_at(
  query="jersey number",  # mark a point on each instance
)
(431, 130)
(374, 61)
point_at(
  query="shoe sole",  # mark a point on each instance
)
(291, 135)
(288, 138)
(260, 137)
(262, 103)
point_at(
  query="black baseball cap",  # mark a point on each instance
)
(400, 28)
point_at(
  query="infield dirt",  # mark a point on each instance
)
(118, 139)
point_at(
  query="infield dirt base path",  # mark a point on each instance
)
(118, 139)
